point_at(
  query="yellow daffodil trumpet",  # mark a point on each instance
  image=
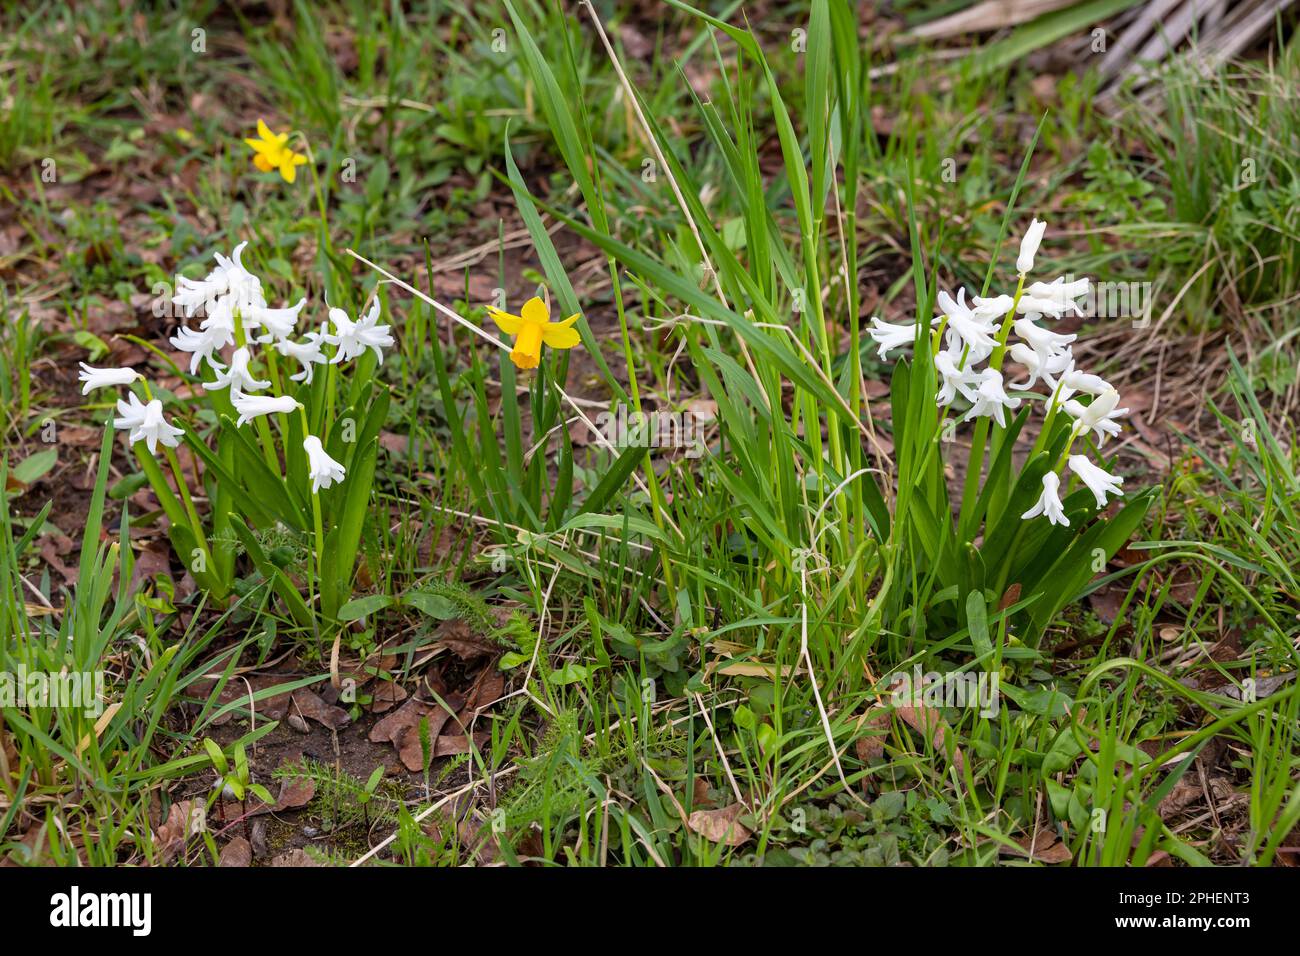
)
(533, 328)
(270, 151)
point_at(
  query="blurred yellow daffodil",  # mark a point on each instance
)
(532, 328)
(270, 152)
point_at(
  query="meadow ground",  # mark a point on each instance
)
(706, 576)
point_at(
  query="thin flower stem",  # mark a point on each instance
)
(316, 187)
(320, 536)
(331, 385)
(183, 487)
(268, 445)
(1049, 418)
(273, 367)
(317, 524)
(1065, 452)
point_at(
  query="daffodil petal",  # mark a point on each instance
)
(565, 323)
(269, 150)
(264, 131)
(560, 337)
(507, 323)
(535, 310)
(288, 170)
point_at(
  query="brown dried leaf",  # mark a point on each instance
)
(450, 746)
(872, 744)
(720, 826)
(184, 819)
(272, 708)
(1046, 848)
(311, 705)
(150, 562)
(457, 637)
(387, 696)
(1010, 597)
(407, 741)
(487, 690)
(393, 728)
(237, 853)
(390, 728)
(295, 792)
(929, 721)
(1107, 603)
(50, 554)
(393, 442)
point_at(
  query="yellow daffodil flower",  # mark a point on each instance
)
(533, 327)
(270, 152)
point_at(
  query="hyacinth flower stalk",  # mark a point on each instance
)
(315, 465)
(304, 472)
(1013, 523)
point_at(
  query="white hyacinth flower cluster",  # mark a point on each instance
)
(235, 308)
(236, 317)
(972, 343)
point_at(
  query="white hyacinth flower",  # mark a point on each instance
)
(955, 381)
(890, 336)
(351, 339)
(1046, 343)
(238, 377)
(308, 353)
(995, 308)
(1038, 306)
(1077, 381)
(278, 323)
(1101, 483)
(1029, 246)
(1038, 366)
(130, 413)
(251, 406)
(1060, 287)
(976, 332)
(146, 423)
(991, 399)
(1049, 502)
(321, 468)
(1056, 297)
(204, 343)
(104, 377)
(1098, 417)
